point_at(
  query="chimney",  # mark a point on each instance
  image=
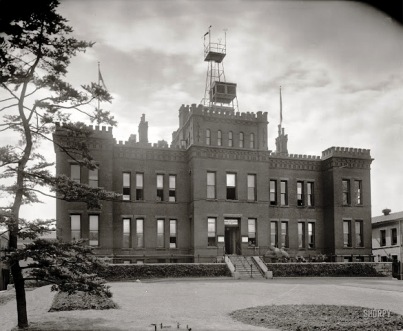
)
(281, 142)
(143, 130)
(386, 211)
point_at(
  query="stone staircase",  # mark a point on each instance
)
(245, 267)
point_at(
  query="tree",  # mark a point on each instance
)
(36, 47)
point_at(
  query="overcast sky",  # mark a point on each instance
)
(340, 66)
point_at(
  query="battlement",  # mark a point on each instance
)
(219, 112)
(133, 143)
(295, 156)
(360, 153)
(96, 129)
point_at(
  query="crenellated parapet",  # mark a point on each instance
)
(346, 152)
(95, 130)
(295, 156)
(219, 113)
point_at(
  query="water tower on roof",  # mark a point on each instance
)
(218, 94)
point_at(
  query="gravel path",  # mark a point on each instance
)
(205, 304)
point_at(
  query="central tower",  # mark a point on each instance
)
(218, 93)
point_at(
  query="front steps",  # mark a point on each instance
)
(246, 267)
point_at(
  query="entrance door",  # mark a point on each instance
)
(232, 242)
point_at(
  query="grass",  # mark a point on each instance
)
(80, 301)
(319, 317)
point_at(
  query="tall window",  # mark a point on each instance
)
(127, 239)
(300, 193)
(160, 187)
(172, 234)
(241, 139)
(93, 177)
(273, 192)
(358, 192)
(252, 187)
(230, 139)
(75, 173)
(126, 186)
(252, 232)
(347, 233)
(219, 138)
(172, 188)
(75, 221)
(301, 235)
(310, 194)
(211, 191)
(252, 140)
(139, 186)
(311, 235)
(284, 193)
(358, 234)
(208, 137)
(160, 233)
(231, 186)
(211, 231)
(284, 234)
(140, 232)
(394, 236)
(94, 230)
(273, 234)
(346, 192)
(383, 238)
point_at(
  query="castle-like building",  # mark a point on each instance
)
(217, 189)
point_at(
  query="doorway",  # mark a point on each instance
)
(232, 240)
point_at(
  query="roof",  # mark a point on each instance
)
(386, 218)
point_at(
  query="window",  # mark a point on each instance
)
(310, 194)
(347, 233)
(252, 187)
(301, 235)
(94, 230)
(383, 238)
(211, 192)
(93, 177)
(172, 188)
(231, 186)
(208, 137)
(300, 193)
(160, 233)
(284, 193)
(346, 192)
(127, 240)
(211, 232)
(75, 173)
(160, 187)
(251, 232)
(357, 192)
(172, 234)
(273, 192)
(140, 232)
(75, 221)
(284, 234)
(230, 139)
(358, 234)
(139, 186)
(252, 141)
(126, 186)
(241, 139)
(273, 234)
(219, 138)
(394, 236)
(311, 235)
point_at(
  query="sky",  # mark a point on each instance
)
(340, 66)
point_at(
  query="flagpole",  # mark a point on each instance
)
(99, 80)
(281, 110)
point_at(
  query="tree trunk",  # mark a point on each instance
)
(20, 295)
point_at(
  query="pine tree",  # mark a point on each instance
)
(36, 46)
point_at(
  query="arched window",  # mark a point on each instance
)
(241, 139)
(230, 141)
(219, 138)
(208, 138)
(252, 140)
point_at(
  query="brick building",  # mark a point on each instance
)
(218, 189)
